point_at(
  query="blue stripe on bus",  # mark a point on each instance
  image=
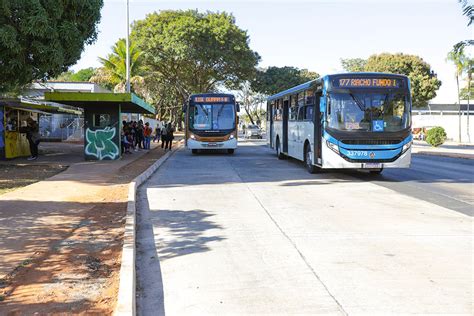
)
(367, 147)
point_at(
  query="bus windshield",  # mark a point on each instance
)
(212, 116)
(376, 112)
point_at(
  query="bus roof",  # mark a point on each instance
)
(300, 87)
(308, 84)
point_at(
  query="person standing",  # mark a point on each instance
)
(157, 133)
(140, 136)
(147, 135)
(33, 137)
(170, 136)
(164, 135)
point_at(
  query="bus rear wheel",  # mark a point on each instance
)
(308, 160)
(230, 151)
(194, 151)
(278, 150)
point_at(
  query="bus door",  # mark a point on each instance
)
(270, 109)
(318, 128)
(286, 104)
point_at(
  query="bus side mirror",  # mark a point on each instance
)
(184, 107)
(237, 104)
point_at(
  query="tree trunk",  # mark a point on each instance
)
(460, 113)
(249, 115)
(468, 112)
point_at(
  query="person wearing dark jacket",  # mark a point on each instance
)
(33, 137)
(169, 136)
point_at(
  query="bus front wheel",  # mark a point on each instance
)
(308, 160)
(194, 151)
(377, 171)
(230, 151)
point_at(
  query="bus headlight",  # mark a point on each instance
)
(333, 147)
(192, 136)
(406, 147)
(231, 136)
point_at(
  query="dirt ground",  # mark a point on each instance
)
(79, 274)
(16, 176)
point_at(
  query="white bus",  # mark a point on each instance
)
(211, 122)
(341, 121)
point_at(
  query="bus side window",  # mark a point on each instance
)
(308, 113)
(293, 107)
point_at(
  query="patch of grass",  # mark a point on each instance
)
(2, 298)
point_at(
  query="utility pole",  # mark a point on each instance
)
(127, 43)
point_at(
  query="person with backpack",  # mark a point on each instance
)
(169, 136)
(164, 135)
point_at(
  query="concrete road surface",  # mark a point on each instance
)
(250, 234)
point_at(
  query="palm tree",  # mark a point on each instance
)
(115, 63)
(459, 60)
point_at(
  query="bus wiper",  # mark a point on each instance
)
(359, 104)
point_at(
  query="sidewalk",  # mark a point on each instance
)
(448, 149)
(65, 220)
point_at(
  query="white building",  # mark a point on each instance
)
(446, 116)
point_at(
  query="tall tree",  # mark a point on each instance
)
(195, 52)
(114, 66)
(354, 64)
(468, 11)
(275, 79)
(252, 102)
(458, 58)
(424, 82)
(40, 39)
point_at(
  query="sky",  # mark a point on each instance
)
(316, 34)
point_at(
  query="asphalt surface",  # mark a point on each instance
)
(447, 182)
(250, 234)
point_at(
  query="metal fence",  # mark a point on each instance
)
(61, 127)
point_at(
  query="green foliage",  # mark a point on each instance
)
(40, 39)
(424, 83)
(194, 52)
(275, 79)
(354, 64)
(83, 75)
(115, 63)
(436, 136)
(467, 10)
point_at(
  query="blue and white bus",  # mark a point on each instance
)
(341, 121)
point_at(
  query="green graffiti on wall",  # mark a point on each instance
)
(100, 143)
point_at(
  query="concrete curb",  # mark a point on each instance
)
(444, 154)
(126, 303)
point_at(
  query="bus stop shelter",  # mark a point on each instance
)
(14, 113)
(102, 119)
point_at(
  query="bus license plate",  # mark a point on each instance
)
(372, 165)
(211, 144)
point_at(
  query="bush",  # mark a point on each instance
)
(436, 136)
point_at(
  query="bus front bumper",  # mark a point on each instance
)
(332, 160)
(227, 144)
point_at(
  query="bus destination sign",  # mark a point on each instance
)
(368, 83)
(212, 99)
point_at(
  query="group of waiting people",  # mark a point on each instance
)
(136, 135)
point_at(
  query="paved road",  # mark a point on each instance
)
(444, 181)
(249, 234)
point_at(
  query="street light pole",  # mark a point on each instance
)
(127, 43)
